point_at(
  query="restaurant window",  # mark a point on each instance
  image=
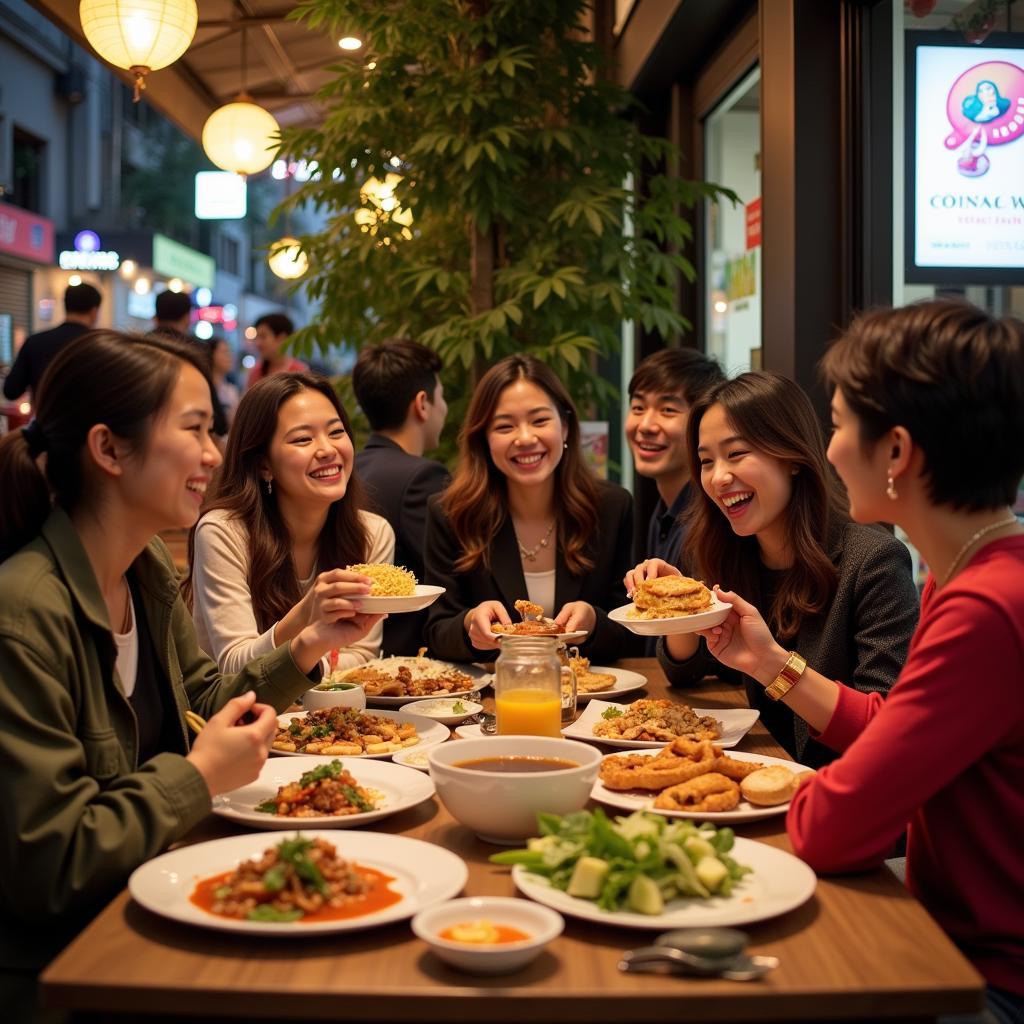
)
(732, 158)
(29, 154)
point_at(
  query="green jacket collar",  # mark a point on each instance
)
(73, 563)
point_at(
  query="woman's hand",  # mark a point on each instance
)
(577, 615)
(649, 569)
(477, 624)
(228, 754)
(744, 641)
(335, 593)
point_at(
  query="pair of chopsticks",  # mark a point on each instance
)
(195, 722)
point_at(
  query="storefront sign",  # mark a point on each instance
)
(25, 234)
(88, 254)
(172, 259)
(752, 212)
(965, 154)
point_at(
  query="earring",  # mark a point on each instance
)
(890, 488)
(565, 445)
(270, 486)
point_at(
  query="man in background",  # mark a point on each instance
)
(398, 388)
(173, 320)
(81, 311)
(272, 331)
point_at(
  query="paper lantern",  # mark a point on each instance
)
(139, 35)
(241, 137)
(287, 259)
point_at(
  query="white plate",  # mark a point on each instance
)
(425, 874)
(676, 624)
(735, 722)
(401, 702)
(423, 667)
(442, 709)
(625, 682)
(566, 638)
(400, 789)
(413, 757)
(643, 800)
(421, 597)
(779, 883)
(430, 732)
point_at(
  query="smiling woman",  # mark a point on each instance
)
(287, 514)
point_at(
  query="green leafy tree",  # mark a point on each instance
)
(510, 222)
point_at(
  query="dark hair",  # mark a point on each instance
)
(81, 298)
(172, 305)
(388, 376)
(277, 322)
(104, 376)
(676, 371)
(953, 376)
(476, 502)
(773, 415)
(344, 540)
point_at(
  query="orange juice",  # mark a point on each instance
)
(530, 712)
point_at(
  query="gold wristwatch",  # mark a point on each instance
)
(788, 677)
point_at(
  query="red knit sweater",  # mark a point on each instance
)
(944, 757)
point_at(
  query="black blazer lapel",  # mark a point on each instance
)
(507, 567)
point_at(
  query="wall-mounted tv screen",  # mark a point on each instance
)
(964, 159)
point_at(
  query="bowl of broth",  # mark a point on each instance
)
(497, 785)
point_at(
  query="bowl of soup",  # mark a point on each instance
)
(497, 785)
(487, 934)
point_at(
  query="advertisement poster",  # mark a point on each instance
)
(966, 144)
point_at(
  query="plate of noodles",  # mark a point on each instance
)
(394, 589)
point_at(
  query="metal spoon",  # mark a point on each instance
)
(666, 959)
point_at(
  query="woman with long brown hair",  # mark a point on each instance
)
(770, 522)
(288, 516)
(525, 517)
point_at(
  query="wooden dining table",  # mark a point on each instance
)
(862, 948)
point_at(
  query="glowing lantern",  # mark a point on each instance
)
(139, 35)
(287, 259)
(241, 137)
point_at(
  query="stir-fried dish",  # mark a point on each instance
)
(344, 731)
(328, 789)
(652, 720)
(299, 879)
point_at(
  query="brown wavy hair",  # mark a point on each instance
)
(273, 581)
(476, 502)
(775, 416)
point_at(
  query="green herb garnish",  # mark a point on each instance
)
(611, 713)
(267, 807)
(295, 728)
(294, 852)
(353, 797)
(458, 708)
(274, 879)
(331, 770)
(267, 912)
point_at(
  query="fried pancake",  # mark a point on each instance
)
(710, 793)
(668, 597)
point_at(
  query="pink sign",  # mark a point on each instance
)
(26, 234)
(985, 107)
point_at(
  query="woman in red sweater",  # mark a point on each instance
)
(928, 418)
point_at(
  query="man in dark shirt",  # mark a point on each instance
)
(661, 392)
(397, 385)
(82, 310)
(173, 320)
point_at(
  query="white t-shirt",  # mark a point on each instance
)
(540, 589)
(128, 654)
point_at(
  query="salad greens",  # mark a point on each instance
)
(635, 863)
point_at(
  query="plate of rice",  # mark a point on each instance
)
(394, 590)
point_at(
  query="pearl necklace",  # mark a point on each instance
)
(530, 554)
(973, 539)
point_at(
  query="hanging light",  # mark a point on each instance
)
(286, 259)
(241, 136)
(139, 35)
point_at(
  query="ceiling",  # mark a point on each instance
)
(286, 62)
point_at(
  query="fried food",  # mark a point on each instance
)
(587, 681)
(536, 626)
(344, 731)
(529, 610)
(388, 580)
(669, 597)
(664, 720)
(327, 790)
(668, 768)
(733, 769)
(405, 677)
(772, 785)
(710, 793)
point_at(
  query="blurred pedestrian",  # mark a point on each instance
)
(272, 333)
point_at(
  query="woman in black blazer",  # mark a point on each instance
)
(525, 518)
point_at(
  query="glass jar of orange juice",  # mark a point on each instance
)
(528, 687)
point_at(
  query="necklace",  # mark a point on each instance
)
(530, 554)
(973, 539)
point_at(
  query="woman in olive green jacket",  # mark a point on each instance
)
(98, 654)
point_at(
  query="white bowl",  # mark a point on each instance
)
(353, 697)
(502, 807)
(442, 709)
(541, 923)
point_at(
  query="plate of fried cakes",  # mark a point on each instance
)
(697, 779)
(601, 681)
(669, 605)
